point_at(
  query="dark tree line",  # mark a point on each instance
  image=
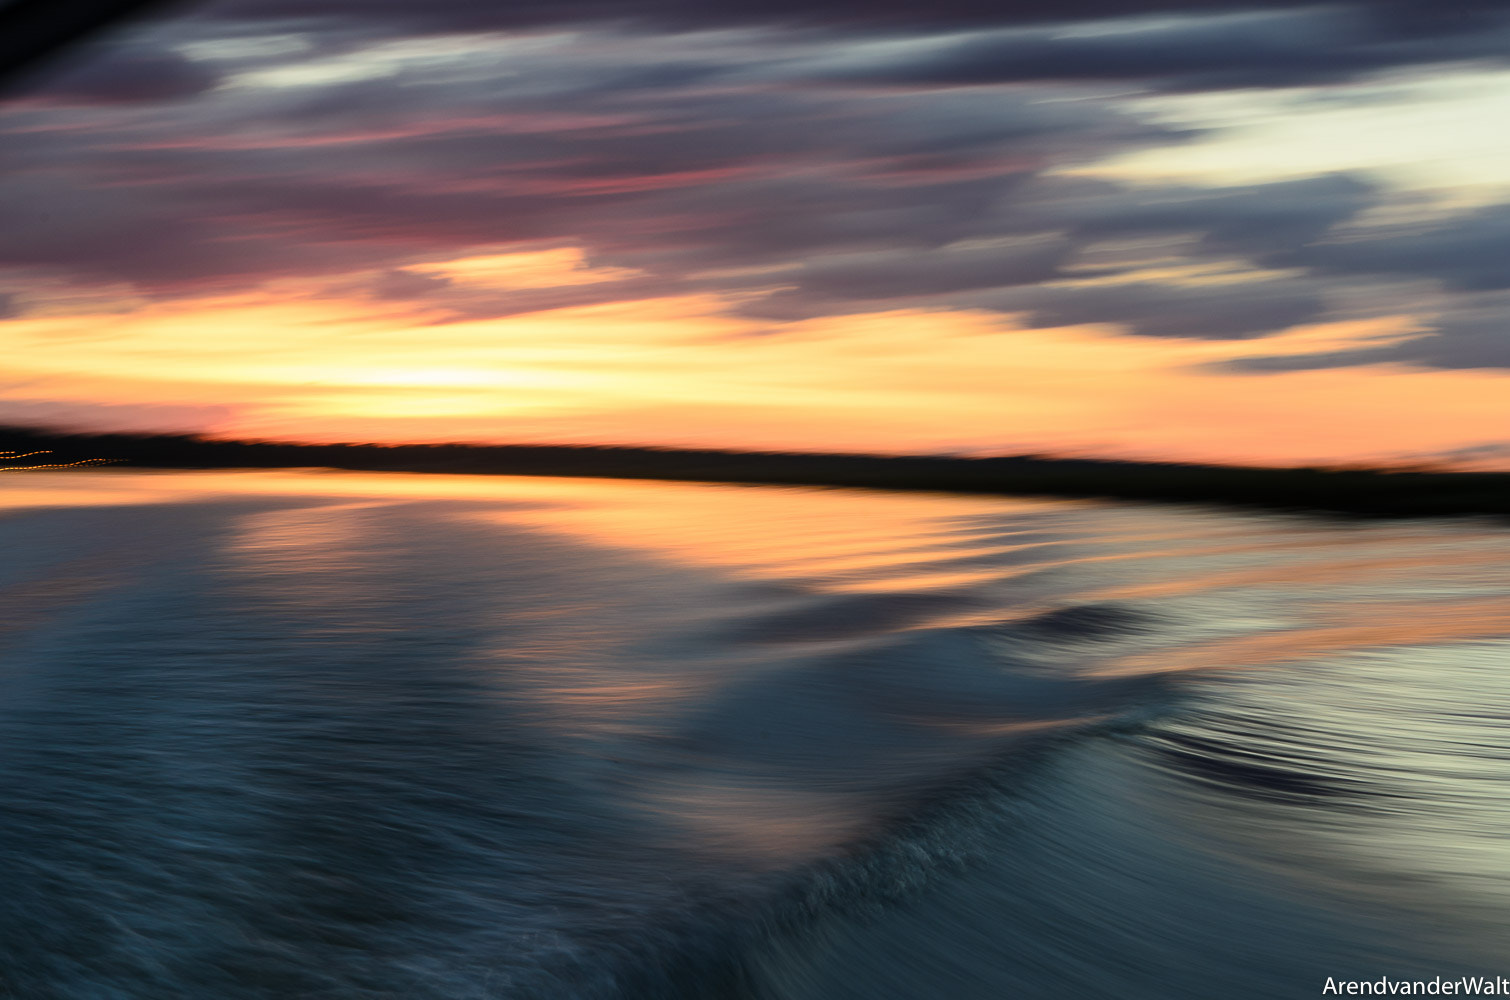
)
(1363, 492)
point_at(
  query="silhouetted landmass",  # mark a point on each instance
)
(1359, 492)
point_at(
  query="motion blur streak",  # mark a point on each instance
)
(351, 736)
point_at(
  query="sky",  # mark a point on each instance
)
(1179, 229)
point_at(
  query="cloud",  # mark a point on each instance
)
(796, 202)
(401, 284)
(1466, 252)
(401, 16)
(251, 184)
(725, 162)
(1265, 221)
(129, 75)
(1473, 334)
(836, 283)
(1163, 44)
(1232, 310)
(1263, 49)
(1039, 227)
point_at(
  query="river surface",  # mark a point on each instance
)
(332, 735)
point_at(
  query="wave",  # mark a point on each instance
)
(932, 736)
(350, 739)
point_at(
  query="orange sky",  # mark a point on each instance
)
(291, 362)
(735, 233)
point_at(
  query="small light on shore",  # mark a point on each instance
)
(6, 457)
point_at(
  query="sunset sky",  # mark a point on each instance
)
(1193, 230)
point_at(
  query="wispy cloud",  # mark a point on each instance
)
(769, 167)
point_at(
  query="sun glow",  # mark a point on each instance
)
(552, 268)
(299, 361)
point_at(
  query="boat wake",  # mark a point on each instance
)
(337, 736)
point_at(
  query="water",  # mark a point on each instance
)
(331, 735)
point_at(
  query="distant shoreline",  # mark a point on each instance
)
(1344, 491)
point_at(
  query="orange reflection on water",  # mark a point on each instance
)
(821, 536)
(1322, 562)
(120, 486)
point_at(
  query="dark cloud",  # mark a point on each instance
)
(826, 203)
(1273, 49)
(1164, 44)
(130, 75)
(402, 16)
(1230, 310)
(9, 307)
(1233, 310)
(158, 236)
(1467, 252)
(1250, 221)
(1161, 44)
(1259, 220)
(250, 186)
(728, 162)
(840, 283)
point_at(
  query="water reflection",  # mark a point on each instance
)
(274, 734)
